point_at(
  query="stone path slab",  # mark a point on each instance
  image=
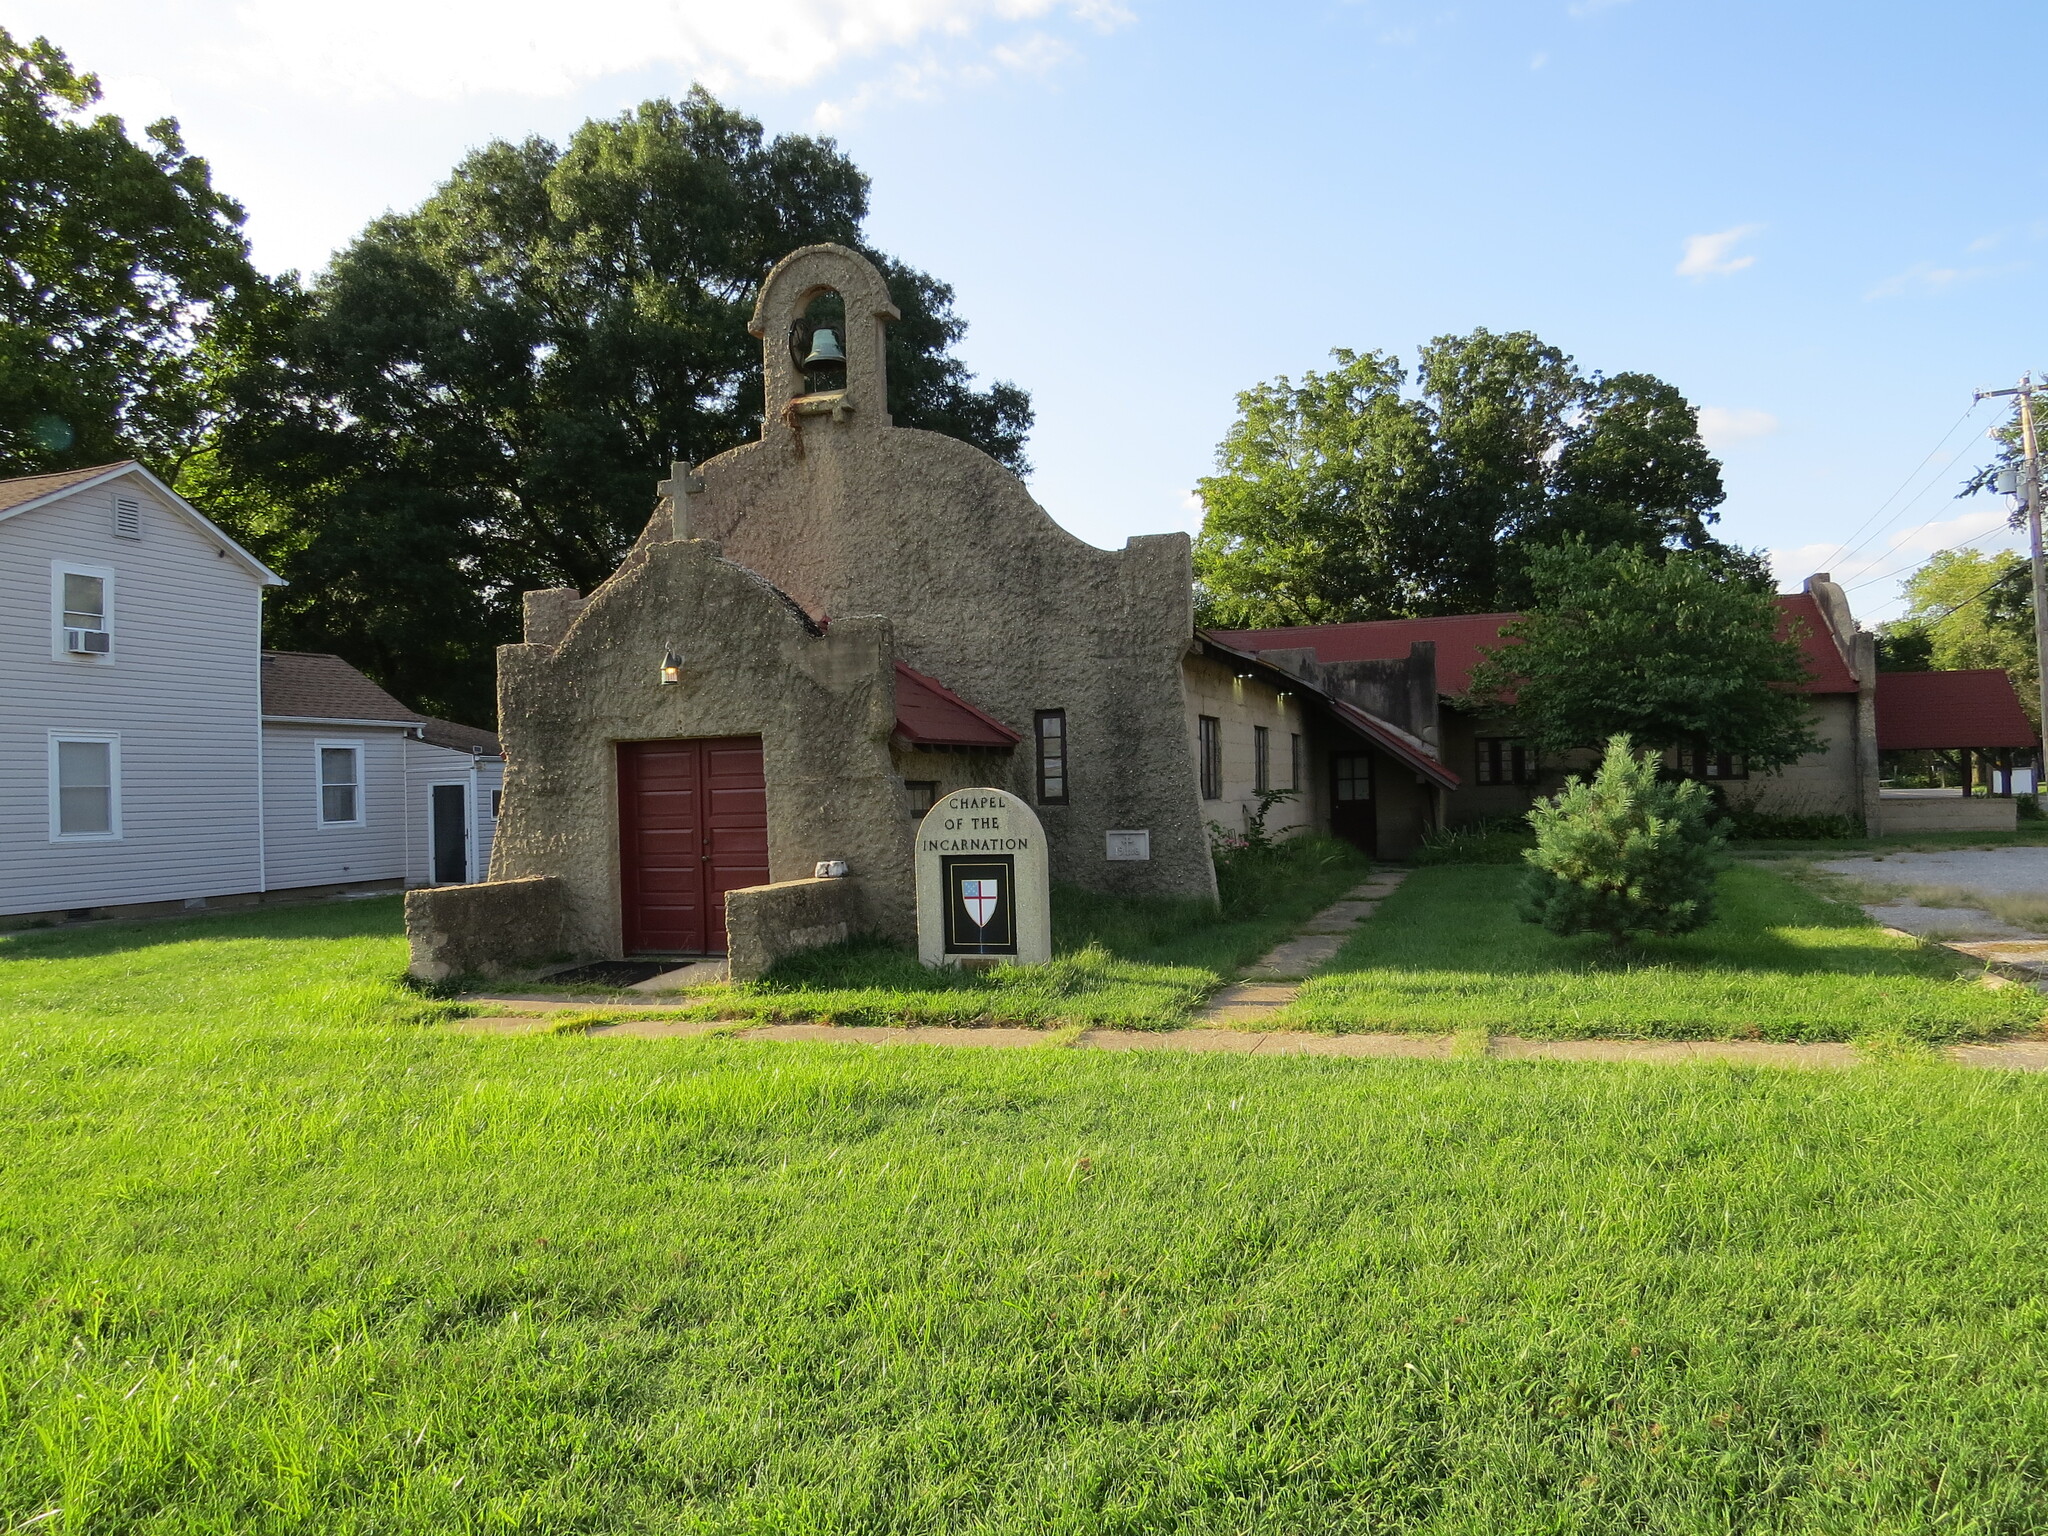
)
(699, 973)
(2015, 1055)
(2011, 871)
(1315, 943)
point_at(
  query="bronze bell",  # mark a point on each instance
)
(825, 350)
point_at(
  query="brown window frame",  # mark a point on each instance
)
(1262, 760)
(914, 790)
(1055, 767)
(1209, 755)
(1499, 760)
(1297, 761)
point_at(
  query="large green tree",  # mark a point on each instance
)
(123, 274)
(1679, 652)
(1347, 497)
(480, 394)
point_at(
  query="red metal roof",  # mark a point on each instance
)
(929, 714)
(1936, 710)
(1460, 636)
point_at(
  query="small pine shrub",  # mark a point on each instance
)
(2028, 808)
(1623, 854)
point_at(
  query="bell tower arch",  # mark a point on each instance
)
(781, 314)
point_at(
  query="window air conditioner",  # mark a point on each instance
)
(88, 642)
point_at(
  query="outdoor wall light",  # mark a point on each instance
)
(671, 668)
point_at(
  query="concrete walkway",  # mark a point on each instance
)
(1276, 980)
(2019, 1055)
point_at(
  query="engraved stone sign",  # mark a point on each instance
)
(981, 882)
(1136, 846)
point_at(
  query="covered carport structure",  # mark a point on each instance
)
(1964, 729)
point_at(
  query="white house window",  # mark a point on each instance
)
(82, 605)
(341, 783)
(85, 787)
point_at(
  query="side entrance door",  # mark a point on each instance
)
(693, 824)
(448, 838)
(1351, 809)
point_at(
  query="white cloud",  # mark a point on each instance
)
(1722, 426)
(451, 49)
(1927, 277)
(1539, 60)
(1878, 569)
(1714, 255)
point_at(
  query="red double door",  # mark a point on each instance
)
(693, 824)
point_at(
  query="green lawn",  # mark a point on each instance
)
(279, 1255)
(1118, 961)
(1780, 962)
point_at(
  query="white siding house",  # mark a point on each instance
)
(153, 756)
(128, 722)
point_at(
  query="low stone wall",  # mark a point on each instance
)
(498, 925)
(1902, 814)
(767, 923)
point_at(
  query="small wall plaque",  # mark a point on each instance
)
(1135, 846)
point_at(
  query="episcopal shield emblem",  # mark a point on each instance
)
(980, 898)
(980, 915)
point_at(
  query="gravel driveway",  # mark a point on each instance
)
(1999, 871)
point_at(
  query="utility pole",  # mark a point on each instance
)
(2030, 490)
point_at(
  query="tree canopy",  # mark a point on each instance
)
(1680, 652)
(478, 396)
(1347, 497)
(122, 272)
(1968, 608)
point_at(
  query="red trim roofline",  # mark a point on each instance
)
(947, 696)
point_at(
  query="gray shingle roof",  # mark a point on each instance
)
(307, 685)
(28, 487)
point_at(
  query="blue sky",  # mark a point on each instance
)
(1823, 221)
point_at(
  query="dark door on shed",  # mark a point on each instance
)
(449, 810)
(1352, 814)
(693, 824)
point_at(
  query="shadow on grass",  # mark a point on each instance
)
(1450, 952)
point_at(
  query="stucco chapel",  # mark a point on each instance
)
(821, 632)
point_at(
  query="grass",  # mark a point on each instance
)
(1780, 962)
(1132, 963)
(278, 1256)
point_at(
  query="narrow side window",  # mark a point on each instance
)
(1297, 774)
(85, 789)
(82, 602)
(341, 783)
(1052, 756)
(1262, 759)
(1209, 739)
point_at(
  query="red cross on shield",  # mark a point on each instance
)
(979, 897)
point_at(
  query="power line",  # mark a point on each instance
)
(1844, 550)
(1871, 581)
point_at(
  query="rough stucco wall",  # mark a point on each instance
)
(492, 926)
(767, 923)
(1824, 783)
(983, 590)
(823, 706)
(1242, 704)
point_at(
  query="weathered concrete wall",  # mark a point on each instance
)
(983, 590)
(1823, 783)
(822, 704)
(1901, 814)
(767, 923)
(498, 925)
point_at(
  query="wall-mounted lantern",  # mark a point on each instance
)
(671, 668)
